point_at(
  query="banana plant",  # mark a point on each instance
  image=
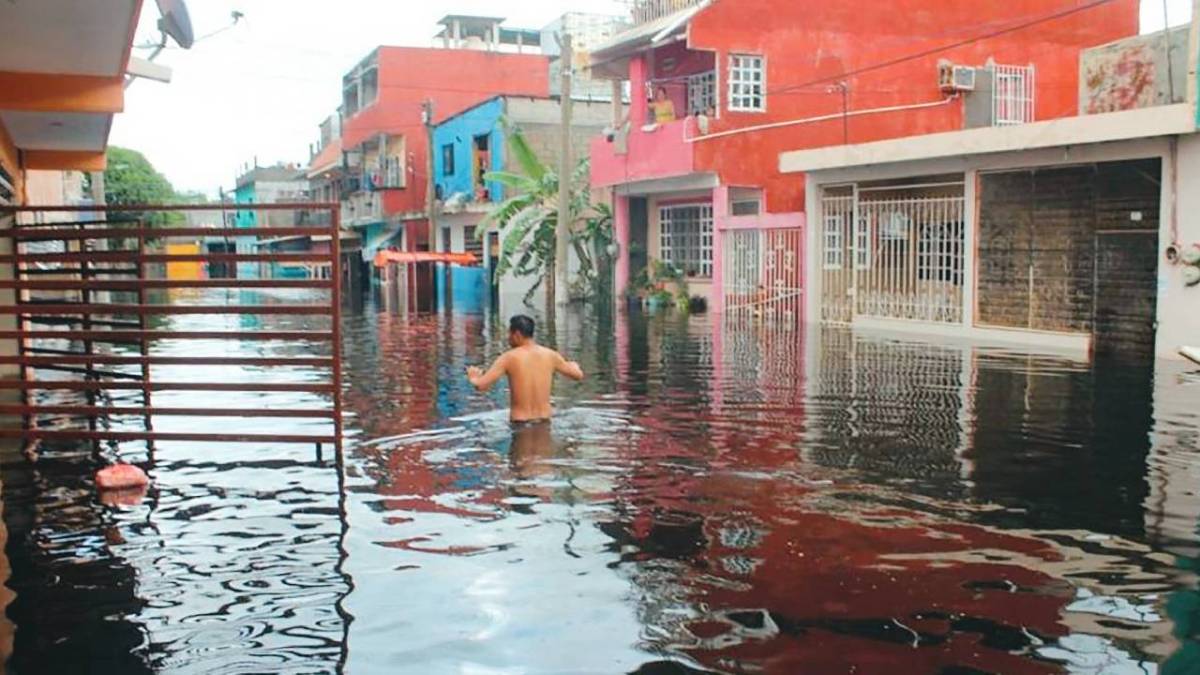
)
(528, 220)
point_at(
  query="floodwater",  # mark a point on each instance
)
(727, 499)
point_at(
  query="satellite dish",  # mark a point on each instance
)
(176, 23)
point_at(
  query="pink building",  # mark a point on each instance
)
(719, 92)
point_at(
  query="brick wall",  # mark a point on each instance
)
(1039, 236)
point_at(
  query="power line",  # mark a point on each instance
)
(943, 48)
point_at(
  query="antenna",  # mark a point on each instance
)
(176, 23)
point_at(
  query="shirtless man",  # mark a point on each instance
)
(530, 368)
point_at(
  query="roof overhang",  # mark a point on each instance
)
(328, 159)
(62, 77)
(1068, 131)
(610, 59)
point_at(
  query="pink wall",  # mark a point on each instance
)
(621, 232)
(661, 153)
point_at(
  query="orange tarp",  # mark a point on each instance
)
(385, 258)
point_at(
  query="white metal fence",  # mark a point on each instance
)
(895, 258)
(764, 275)
(1012, 94)
(650, 10)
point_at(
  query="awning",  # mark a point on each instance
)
(638, 38)
(385, 258)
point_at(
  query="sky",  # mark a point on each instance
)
(259, 89)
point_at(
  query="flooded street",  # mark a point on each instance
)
(714, 498)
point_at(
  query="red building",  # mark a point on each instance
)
(384, 141)
(699, 186)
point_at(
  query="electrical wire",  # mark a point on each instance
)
(925, 53)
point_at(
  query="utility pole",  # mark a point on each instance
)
(566, 169)
(430, 193)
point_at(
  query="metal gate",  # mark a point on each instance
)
(764, 275)
(899, 256)
(86, 324)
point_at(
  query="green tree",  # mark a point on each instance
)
(528, 220)
(131, 179)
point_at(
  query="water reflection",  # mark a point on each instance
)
(715, 498)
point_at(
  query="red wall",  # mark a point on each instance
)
(454, 80)
(805, 40)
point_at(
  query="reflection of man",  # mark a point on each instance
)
(532, 445)
(530, 368)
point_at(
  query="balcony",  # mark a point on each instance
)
(361, 209)
(645, 11)
(644, 153)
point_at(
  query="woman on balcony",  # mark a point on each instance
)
(663, 107)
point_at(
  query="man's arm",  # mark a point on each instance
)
(568, 369)
(484, 381)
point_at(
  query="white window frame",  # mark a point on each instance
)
(747, 83)
(703, 238)
(862, 244)
(1013, 94)
(834, 243)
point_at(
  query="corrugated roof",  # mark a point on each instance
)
(641, 36)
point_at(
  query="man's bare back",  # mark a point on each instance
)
(530, 368)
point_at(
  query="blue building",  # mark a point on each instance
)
(466, 148)
(266, 185)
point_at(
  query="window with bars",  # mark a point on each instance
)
(1013, 95)
(939, 252)
(747, 83)
(471, 241)
(834, 242)
(686, 238)
(862, 245)
(702, 92)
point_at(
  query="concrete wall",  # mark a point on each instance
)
(1178, 323)
(1178, 320)
(1135, 73)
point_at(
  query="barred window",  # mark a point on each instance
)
(702, 92)
(834, 242)
(747, 83)
(687, 238)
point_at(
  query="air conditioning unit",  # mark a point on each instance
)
(952, 78)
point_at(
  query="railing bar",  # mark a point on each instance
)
(137, 208)
(168, 386)
(132, 285)
(162, 233)
(128, 256)
(63, 434)
(108, 309)
(67, 357)
(135, 335)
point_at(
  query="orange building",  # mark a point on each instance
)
(61, 82)
(722, 87)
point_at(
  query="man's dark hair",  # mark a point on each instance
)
(521, 325)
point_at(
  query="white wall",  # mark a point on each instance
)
(1178, 320)
(1178, 315)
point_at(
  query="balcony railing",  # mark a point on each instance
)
(362, 208)
(645, 11)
